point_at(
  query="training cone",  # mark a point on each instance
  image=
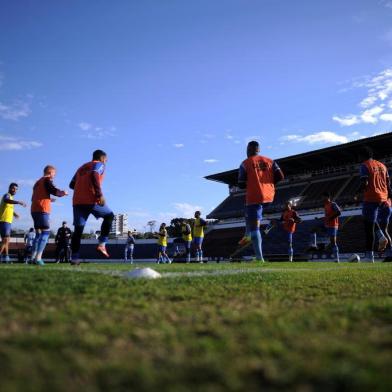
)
(143, 273)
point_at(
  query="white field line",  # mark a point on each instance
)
(190, 274)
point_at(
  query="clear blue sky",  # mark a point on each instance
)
(173, 90)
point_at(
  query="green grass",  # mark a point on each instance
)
(301, 326)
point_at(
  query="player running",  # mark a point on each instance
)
(331, 222)
(187, 238)
(41, 206)
(376, 188)
(162, 245)
(198, 235)
(7, 215)
(290, 219)
(129, 247)
(88, 199)
(258, 175)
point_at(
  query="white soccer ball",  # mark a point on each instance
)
(354, 258)
(143, 273)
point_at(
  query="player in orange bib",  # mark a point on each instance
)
(376, 188)
(331, 222)
(41, 206)
(289, 220)
(258, 175)
(88, 199)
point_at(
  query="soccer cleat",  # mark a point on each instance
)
(39, 262)
(382, 244)
(245, 240)
(101, 248)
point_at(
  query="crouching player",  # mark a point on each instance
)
(41, 206)
(7, 215)
(331, 223)
(198, 235)
(88, 199)
(162, 245)
(290, 219)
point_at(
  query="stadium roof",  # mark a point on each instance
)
(322, 158)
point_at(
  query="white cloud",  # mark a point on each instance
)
(379, 89)
(186, 210)
(84, 126)
(386, 117)
(8, 143)
(178, 145)
(15, 111)
(323, 137)
(212, 160)
(91, 131)
(346, 121)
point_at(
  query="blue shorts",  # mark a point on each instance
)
(198, 241)
(82, 212)
(370, 211)
(290, 237)
(254, 212)
(332, 231)
(162, 248)
(41, 220)
(5, 229)
(384, 214)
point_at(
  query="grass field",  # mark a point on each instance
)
(279, 326)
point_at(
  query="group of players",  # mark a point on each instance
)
(258, 175)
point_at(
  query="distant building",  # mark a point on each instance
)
(119, 225)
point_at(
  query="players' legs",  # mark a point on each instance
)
(5, 232)
(198, 241)
(106, 213)
(131, 249)
(188, 246)
(254, 216)
(370, 213)
(81, 214)
(42, 227)
(291, 251)
(384, 218)
(333, 234)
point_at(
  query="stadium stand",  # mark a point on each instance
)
(334, 169)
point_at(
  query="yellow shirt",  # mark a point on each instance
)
(198, 229)
(162, 239)
(6, 210)
(186, 237)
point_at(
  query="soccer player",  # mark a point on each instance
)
(129, 247)
(7, 215)
(187, 238)
(162, 245)
(63, 239)
(384, 217)
(198, 235)
(290, 219)
(331, 223)
(88, 199)
(29, 240)
(258, 175)
(376, 188)
(41, 206)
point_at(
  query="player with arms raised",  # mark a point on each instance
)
(258, 175)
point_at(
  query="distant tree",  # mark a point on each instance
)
(152, 225)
